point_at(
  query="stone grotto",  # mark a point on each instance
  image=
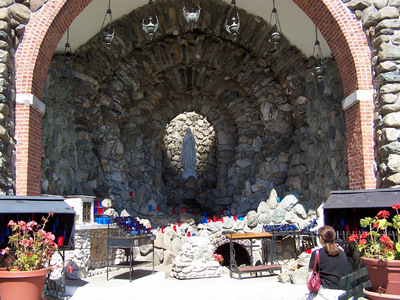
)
(270, 137)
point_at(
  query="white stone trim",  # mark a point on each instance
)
(30, 99)
(358, 95)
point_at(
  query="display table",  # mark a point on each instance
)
(128, 243)
(265, 267)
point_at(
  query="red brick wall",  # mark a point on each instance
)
(336, 23)
(28, 134)
(360, 145)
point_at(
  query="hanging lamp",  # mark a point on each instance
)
(232, 23)
(107, 33)
(319, 70)
(192, 15)
(66, 71)
(276, 34)
(150, 23)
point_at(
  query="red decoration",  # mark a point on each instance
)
(174, 227)
(234, 217)
(184, 210)
(214, 218)
(60, 241)
(188, 234)
(179, 223)
(162, 230)
(158, 207)
(131, 194)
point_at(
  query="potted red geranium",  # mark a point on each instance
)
(29, 260)
(381, 252)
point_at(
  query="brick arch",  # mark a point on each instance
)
(46, 27)
(339, 27)
(349, 46)
(345, 38)
(42, 34)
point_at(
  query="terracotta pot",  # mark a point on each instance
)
(383, 274)
(377, 296)
(18, 285)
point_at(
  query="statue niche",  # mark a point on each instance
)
(189, 155)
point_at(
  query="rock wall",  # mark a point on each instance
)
(106, 127)
(380, 20)
(186, 242)
(90, 255)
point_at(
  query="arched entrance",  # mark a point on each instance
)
(242, 256)
(31, 77)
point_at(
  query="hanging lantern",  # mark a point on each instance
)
(107, 34)
(232, 23)
(192, 15)
(66, 71)
(151, 26)
(319, 70)
(276, 32)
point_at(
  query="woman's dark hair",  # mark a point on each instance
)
(328, 234)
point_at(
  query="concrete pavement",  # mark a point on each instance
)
(146, 285)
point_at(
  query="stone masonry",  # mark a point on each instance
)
(106, 135)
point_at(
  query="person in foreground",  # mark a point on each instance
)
(333, 266)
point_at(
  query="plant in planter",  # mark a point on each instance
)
(32, 249)
(381, 254)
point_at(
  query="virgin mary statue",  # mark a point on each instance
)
(189, 155)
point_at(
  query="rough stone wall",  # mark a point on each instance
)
(90, 255)
(205, 139)
(270, 117)
(380, 20)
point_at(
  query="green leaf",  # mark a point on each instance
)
(397, 247)
(365, 222)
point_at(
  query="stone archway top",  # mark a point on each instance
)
(49, 23)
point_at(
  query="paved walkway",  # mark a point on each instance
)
(146, 285)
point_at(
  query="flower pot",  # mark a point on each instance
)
(383, 274)
(376, 296)
(27, 285)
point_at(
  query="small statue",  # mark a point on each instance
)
(189, 155)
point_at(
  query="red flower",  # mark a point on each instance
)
(364, 235)
(383, 214)
(376, 226)
(385, 239)
(363, 241)
(353, 238)
(396, 206)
